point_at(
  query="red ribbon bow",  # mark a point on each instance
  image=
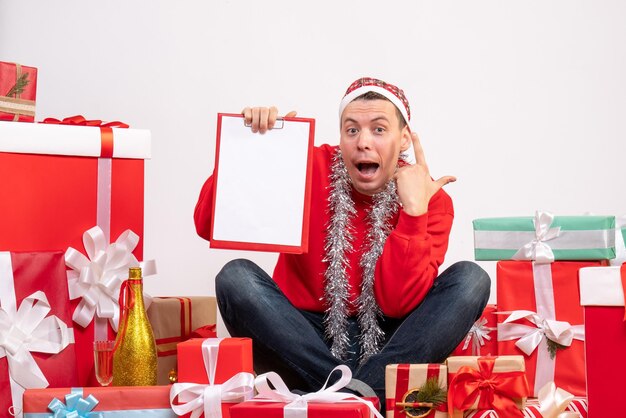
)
(493, 390)
(81, 121)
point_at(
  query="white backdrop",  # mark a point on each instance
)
(524, 101)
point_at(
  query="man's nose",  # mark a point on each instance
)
(365, 140)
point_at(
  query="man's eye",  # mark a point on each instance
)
(352, 131)
(380, 130)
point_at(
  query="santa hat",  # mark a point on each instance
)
(389, 91)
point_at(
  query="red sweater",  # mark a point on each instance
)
(405, 271)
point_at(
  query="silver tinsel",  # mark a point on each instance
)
(338, 244)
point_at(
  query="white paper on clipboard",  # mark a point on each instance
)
(261, 184)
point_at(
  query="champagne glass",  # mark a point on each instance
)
(103, 360)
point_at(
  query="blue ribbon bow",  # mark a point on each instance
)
(75, 406)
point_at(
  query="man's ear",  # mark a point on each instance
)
(405, 140)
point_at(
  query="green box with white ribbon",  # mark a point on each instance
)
(545, 238)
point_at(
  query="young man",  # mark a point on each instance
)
(367, 293)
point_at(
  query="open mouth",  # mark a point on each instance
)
(367, 169)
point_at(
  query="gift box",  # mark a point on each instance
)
(222, 366)
(36, 343)
(481, 339)
(545, 238)
(103, 402)
(546, 321)
(62, 180)
(602, 293)
(404, 381)
(173, 320)
(18, 92)
(254, 409)
(274, 400)
(497, 383)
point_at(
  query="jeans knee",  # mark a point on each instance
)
(233, 276)
(474, 279)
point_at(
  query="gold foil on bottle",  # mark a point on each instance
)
(135, 359)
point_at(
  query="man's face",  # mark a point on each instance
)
(371, 142)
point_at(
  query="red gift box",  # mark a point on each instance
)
(206, 362)
(274, 400)
(18, 92)
(544, 298)
(481, 339)
(30, 280)
(602, 293)
(401, 379)
(59, 187)
(254, 409)
(113, 401)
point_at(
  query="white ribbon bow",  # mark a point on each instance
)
(537, 249)
(553, 401)
(97, 278)
(297, 404)
(529, 337)
(477, 336)
(202, 398)
(27, 330)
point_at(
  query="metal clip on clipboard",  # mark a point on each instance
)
(280, 122)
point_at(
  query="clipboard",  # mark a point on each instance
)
(262, 185)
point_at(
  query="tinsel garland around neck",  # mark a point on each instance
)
(340, 234)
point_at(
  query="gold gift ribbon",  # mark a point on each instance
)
(15, 105)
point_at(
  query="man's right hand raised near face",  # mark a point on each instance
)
(262, 118)
(415, 186)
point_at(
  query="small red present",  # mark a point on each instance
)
(481, 339)
(36, 345)
(476, 383)
(18, 92)
(545, 324)
(173, 321)
(403, 381)
(103, 402)
(62, 180)
(276, 401)
(602, 293)
(221, 367)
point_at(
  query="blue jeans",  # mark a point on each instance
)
(291, 341)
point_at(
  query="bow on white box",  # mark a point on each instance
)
(207, 398)
(477, 336)
(25, 330)
(97, 277)
(537, 249)
(529, 337)
(297, 404)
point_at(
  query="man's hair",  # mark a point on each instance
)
(372, 95)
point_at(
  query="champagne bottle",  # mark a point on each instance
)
(135, 357)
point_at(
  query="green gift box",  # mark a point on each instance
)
(545, 238)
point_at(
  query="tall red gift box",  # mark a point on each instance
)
(58, 182)
(213, 361)
(33, 353)
(602, 293)
(544, 299)
(103, 402)
(18, 92)
(481, 339)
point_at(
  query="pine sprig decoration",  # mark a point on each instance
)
(430, 394)
(19, 86)
(553, 347)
